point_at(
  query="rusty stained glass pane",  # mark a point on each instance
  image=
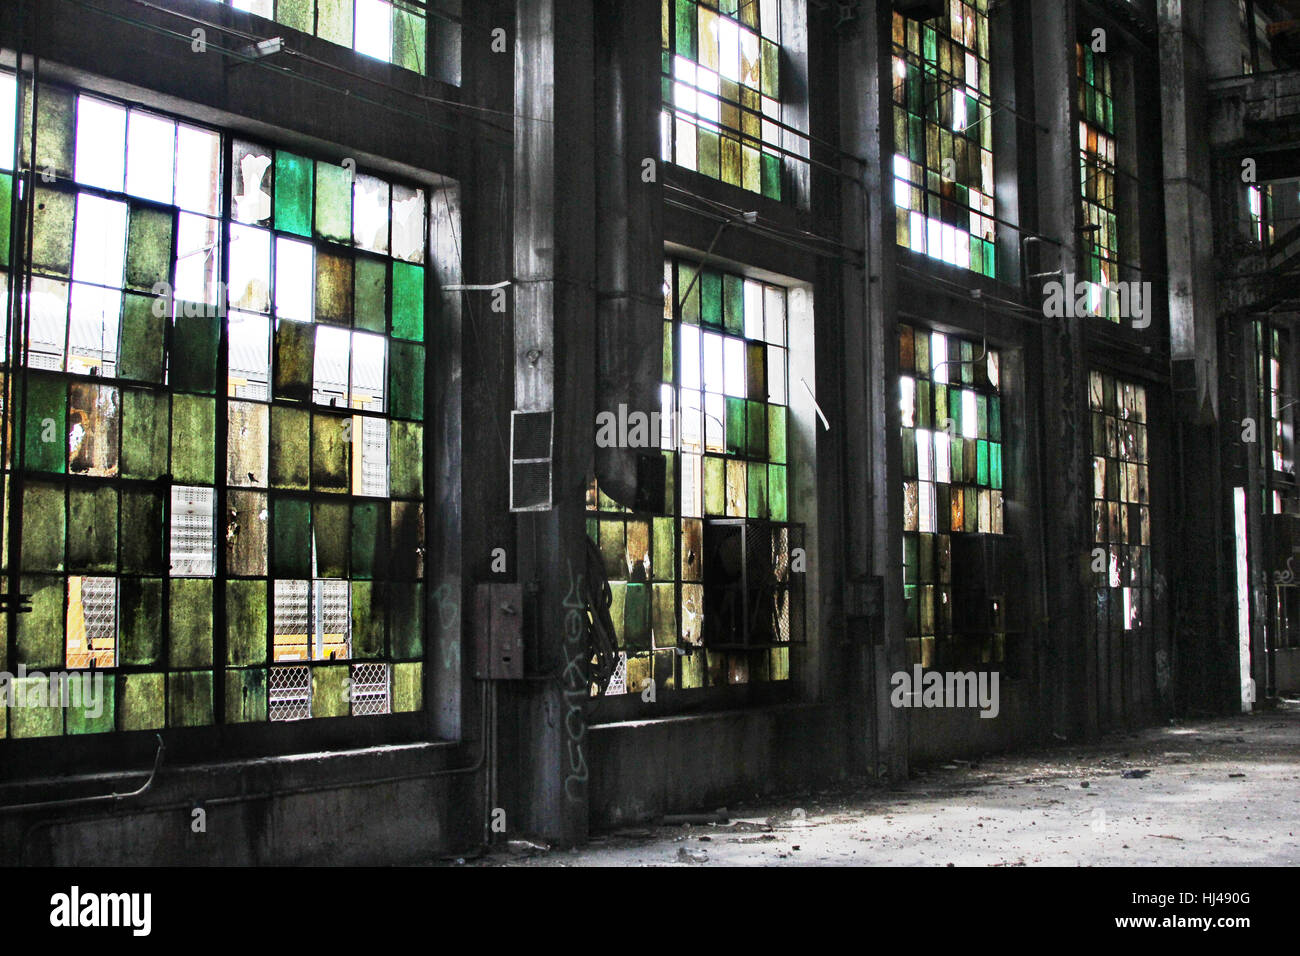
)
(246, 533)
(94, 427)
(295, 360)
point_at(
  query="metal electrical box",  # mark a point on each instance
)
(499, 631)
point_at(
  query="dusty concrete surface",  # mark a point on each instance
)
(1216, 792)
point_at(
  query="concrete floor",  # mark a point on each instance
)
(1217, 792)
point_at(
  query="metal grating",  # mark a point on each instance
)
(290, 694)
(531, 437)
(192, 532)
(370, 689)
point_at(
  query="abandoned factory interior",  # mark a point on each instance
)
(434, 423)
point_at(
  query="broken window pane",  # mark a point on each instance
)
(370, 213)
(99, 250)
(251, 183)
(197, 259)
(151, 156)
(101, 144)
(369, 456)
(291, 621)
(93, 330)
(249, 374)
(330, 373)
(408, 223)
(250, 268)
(93, 429)
(198, 170)
(368, 355)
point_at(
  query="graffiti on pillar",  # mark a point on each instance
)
(576, 690)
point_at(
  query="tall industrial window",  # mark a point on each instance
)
(1273, 423)
(1259, 204)
(949, 392)
(1097, 181)
(943, 137)
(394, 31)
(1121, 557)
(217, 428)
(722, 91)
(725, 424)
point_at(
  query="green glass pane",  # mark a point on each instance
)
(665, 543)
(982, 464)
(708, 153)
(333, 202)
(56, 130)
(140, 619)
(92, 529)
(290, 448)
(46, 429)
(405, 620)
(143, 699)
(294, 180)
(246, 620)
(329, 526)
(776, 433)
(757, 488)
(715, 495)
(330, 453)
(613, 549)
(667, 366)
(772, 176)
(329, 691)
(733, 303)
(956, 447)
(334, 21)
(408, 301)
(44, 527)
(39, 638)
(776, 493)
(406, 459)
(408, 687)
(771, 75)
(246, 696)
(189, 699)
(735, 426)
(291, 544)
(140, 346)
(982, 415)
(6, 197)
(711, 298)
(995, 419)
(636, 616)
(995, 465)
(408, 38)
(333, 288)
(193, 365)
(369, 538)
(148, 247)
(298, 14)
(367, 620)
(52, 232)
(145, 434)
(190, 622)
(406, 540)
(690, 304)
(142, 544)
(756, 413)
(96, 715)
(26, 722)
(370, 296)
(686, 22)
(194, 423)
(295, 360)
(406, 380)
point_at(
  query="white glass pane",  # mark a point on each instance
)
(330, 379)
(295, 271)
(250, 355)
(198, 170)
(92, 333)
(99, 251)
(368, 354)
(250, 268)
(101, 144)
(374, 29)
(150, 156)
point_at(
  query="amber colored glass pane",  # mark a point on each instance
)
(333, 288)
(737, 497)
(692, 549)
(290, 448)
(295, 360)
(146, 431)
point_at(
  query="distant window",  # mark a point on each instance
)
(1097, 181)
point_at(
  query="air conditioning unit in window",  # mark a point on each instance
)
(921, 9)
(986, 584)
(753, 583)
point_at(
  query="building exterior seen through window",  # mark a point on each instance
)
(950, 397)
(682, 615)
(722, 91)
(943, 137)
(218, 431)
